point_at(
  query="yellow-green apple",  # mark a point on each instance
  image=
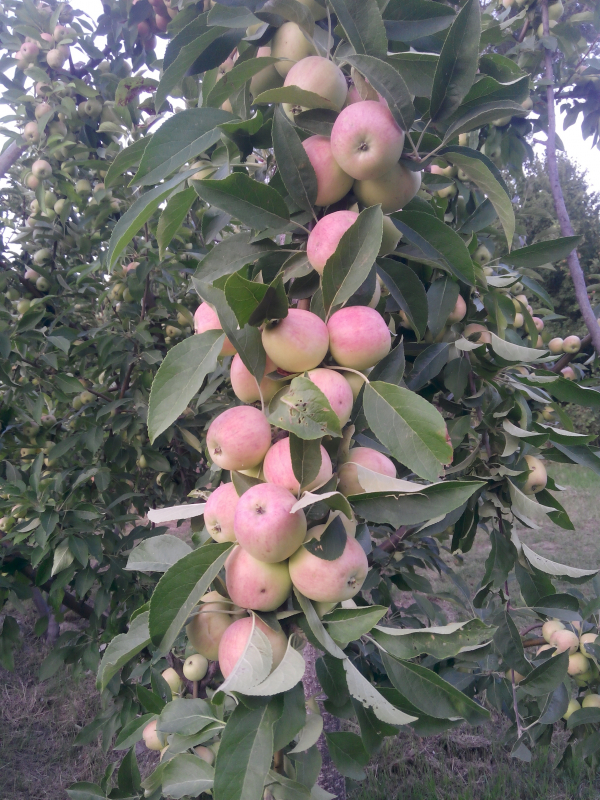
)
(514, 676)
(207, 319)
(320, 76)
(41, 169)
(173, 679)
(83, 188)
(56, 57)
(548, 413)
(355, 381)
(195, 667)
(369, 459)
(538, 476)
(568, 373)
(555, 345)
(478, 333)
(540, 29)
(219, 513)
(31, 133)
(332, 182)
(244, 383)
(325, 237)
(336, 389)
(239, 438)
(152, 740)
(366, 140)
(555, 11)
(578, 664)
(291, 44)
(391, 237)
(236, 638)
(572, 344)
(254, 584)
(42, 256)
(448, 171)
(265, 525)
(210, 623)
(571, 709)
(31, 181)
(392, 191)
(564, 640)
(203, 752)
(358, 337)
(297, 342)
(539, 324)
(519, 320)
(267, 78)
(330, 581)
(482, 255)
(458, 312)
(591, 701)
(587, 638)
(277, 468)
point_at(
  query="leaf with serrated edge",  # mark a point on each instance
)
(526, 508)
(255, 204)
(360, 688)
(439, 641)
(185, 716)
(123, 648)
(317, 627)
(389, 83)
(296, 171)
(157, 554)
(349, 624)
(302, 408)
(186, 775)
(172, 218)
(253, 666)
(514, 352)
(553, 568)
(284, 677)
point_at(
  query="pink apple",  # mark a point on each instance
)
(297, 342)
(207, 319)
(336, 389)
(568, 373)
(219, 513)
(29, 51)
(565, 640)
(239, 438)
(236, 638)
(458, 312)
(366, 140)
(332, 182)
(482, 334)
(539, 324)
(254, 584)
(277, 468)
(367, 458)
(320, 76)
(208, 626)
(330, 581)
(556, 345)
(244, 383)
(393, 191)
(358, 337)
(265, 525)
(325, 237)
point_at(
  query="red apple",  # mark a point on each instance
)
(332, 182)
(325, 237)
(239, 438)
(236, 638)
(219, 513)
(336, 389)
(568, 373)
(244, 383)
(358, 337)
(330, 581)
(458, 312)
(277, 468)
(207, 319)
(255, 584)
(297, 342)
(367, 458)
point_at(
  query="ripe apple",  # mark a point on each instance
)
(568, 373)
(539, 324)
(336, 389)
(195, 667)
(458, 312)
(325, 237)
(291, 44)
(330, 581)
(578, 664)
(173, 679)
(366, 140)
(219, 513)
(358, 337)
(591, 701)
(41, 169)
(151, 738)
(320, 76)
(208, 626)
(565, 640)
(368, 458)
(572, 344)
(571, 709)
(244, 383)
(267, 78)
(392, 191)
(277, 468)
(555, 345)
(265, 525)
(254, 584)
(484, 336)
(537, 478)
(236, 638)
(332, 182)
(239, 438)
(297, 342)
(207, 319)
(587, 638)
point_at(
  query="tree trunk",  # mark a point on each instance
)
(559, 200)
(329, 778)
(9, 156)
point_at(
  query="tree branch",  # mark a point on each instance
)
(9, 157)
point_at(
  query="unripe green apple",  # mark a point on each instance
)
(195, 667)
(152, 739)
(42, 284)
(57, 57)
(391, 237)
(537, 478)
(41, 169)
(87, 397)
(482, 255)
(587, 638)
(519, 320)
(23, 306)
(571, 709)
(267, 78)
(552, 24)
(83, 188)
(76, 403)
(548, 413)
(31, 133)
(173, 679)
(290, 43)
(555, 10)
(172, 331)
(31, 181)
(393, 190)
(572, 344)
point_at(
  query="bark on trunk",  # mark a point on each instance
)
(9, 156)
(559, 200)
(329, 778)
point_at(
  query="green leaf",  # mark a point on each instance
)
(85, 791)
(417, 69)
(347, 269)
(186, 776)
(180, 376)
(122, 649)
(234, 80)
(544, 679)
(428, 365)
(128, 776)
(458, 62)
(246, 750)
(293, 718)
(331, 543)
(349, 624)
(555, 569)
(542, 253)
(185, 716)
(175, 70)
(514, 352)
(509, 644)
(386, 80)
(391, 367)
(231, 255)
(347, 753)
(440, 642)
(306, 459)
(125, 159)
(297, 173)
(363, 25)
(409, 426)
(254, 204)
(407, 290)
(149, 700)
(408, 20)
(243, 296)
(317, 628)
(370, 697)
(157, 554)
(481, 115)
(132, 732)
(441, 299)
(180, 588)
(584, 716)
(295, 97)
(172, 218)
(274, 305)
(290, 10)
(302, 408)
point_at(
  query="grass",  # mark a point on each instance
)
(39, 722)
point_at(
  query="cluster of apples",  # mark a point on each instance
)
(53, 47)
(156, 22)
(582, 666)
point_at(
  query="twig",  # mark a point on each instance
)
(523, 31)
(537, 642)
(9, 157)
(530, 628)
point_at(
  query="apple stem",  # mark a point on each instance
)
(195, 689)
(329, 56)
(349, 369)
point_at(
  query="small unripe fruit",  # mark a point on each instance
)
(572, 344)
(555, 345)
(31, 133)
(23, 306)
(173, 679)
(482, 255)
(591, 701)
(571, 709)
(41, 169)
(537, 478)
(151, 738)
(477, 333)
(42, 284)
(195, 667)
(83, 188)
(578, 664)
(57, 57)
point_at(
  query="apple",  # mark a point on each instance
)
(578, 664)
(297, 342)
(513, 675)
(447, 172)
(552, 24)
(31, 181)
(555, 11)
(203, 752)
(587, 638)
(591, 701)
(366, 140)
(244, 383)
(320, 76)
(29, 51)
(208, 626)
(556, 345)
(325, 237)
(207, 319)
(83, 188)
(537, 478)
(195, 667)
(392, 191)
(236, 638)
(390, 238)
(151, 738)
(31, 133)
(539, 324)
(519, 320)
(267, 78)
(358, 337)
(356, 382)
(31, 275)
(265, 525)
(458, 312)
(548, 413)
(254, 584)
(219, 513)
(330, 581)
(41, 169)
(336, 389)
(571, 709)
(564, 640)
(42, 284)
(291, 44)
(56, 57)
(238, 438)
(41, 256)
(173, 679)
(332, 182)
(161, 22)
(543, 648)
(572, 344)
(478, 333)
(277, 468)
(568, 373)
(482, 255)
(368, 458)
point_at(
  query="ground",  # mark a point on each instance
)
(39, 722)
